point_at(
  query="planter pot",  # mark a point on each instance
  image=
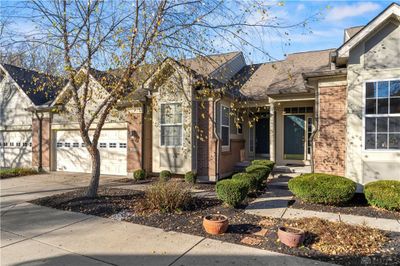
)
(215, 224)
(291, 237)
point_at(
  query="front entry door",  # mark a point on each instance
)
(294, 137)
(262, 136)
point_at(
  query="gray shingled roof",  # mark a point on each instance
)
(258, 82)
(350, 32)
(39, 87)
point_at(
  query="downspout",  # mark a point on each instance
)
(216, 137)
(143, 147)
(316, 127)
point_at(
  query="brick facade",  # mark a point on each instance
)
(46, 148)
(135, 139)
(330, 140)
(206, 142)
(231, 157)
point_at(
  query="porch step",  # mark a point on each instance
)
(301, 169)
(241, 166)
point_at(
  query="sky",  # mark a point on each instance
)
(325, 30)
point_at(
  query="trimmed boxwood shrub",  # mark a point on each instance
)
(165, 175)
(268, 163)
(190, 177)
(139, 174)
(322, 188)
(232, 191)
(261, 172)
(250, 179)
(383, 194)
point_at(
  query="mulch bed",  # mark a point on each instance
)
(358, 205)
(364, 245)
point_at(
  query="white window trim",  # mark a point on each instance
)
(178, 124)
(225, 147)
(364, 116)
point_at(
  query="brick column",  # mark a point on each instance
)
(206, 143)
(330, 141)
(135, 139)
(46, 147)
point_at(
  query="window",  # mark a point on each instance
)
(83, 145)
(251, 139)
(103, 145)
(225, 137)
(25, 144)
(171, 124)
(239, 128)
(67, 145)
(296, 110)
(113, 145)
(59, 144)
(30, 144)
(122, 145)
(4, 144)
(18, 144)
(11, 144)
(382, 115)
(75, 145)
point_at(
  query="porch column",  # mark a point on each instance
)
(272, 132)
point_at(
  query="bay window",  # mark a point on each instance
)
(382, 115)
(171, 124)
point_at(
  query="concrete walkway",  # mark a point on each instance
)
(35, 235)
(274, 203)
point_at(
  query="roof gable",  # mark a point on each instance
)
(40, 88)
(392, 11)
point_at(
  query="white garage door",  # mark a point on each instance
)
(16, 149)
(72, 156)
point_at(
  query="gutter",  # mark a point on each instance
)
(217, 138)
(329, 73)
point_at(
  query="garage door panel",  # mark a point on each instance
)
(16, 149)
(75, 158)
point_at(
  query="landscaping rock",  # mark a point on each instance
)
(262, 232)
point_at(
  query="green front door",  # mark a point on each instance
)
(294, 137)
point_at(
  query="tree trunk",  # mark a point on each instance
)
(94, 181)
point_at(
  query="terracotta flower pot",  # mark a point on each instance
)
(291, 237)
(215, 224)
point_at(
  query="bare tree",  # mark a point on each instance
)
(126, 35)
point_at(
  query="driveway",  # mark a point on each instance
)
(35, 235)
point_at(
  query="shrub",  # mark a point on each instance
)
(139, 174)
(232, 191)
(165, 175)
(322, 188)
(12, 172)
(261, 172)
(250, 179)
(267, 163)
(384, 194)
(168, 196)
(190, 177)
